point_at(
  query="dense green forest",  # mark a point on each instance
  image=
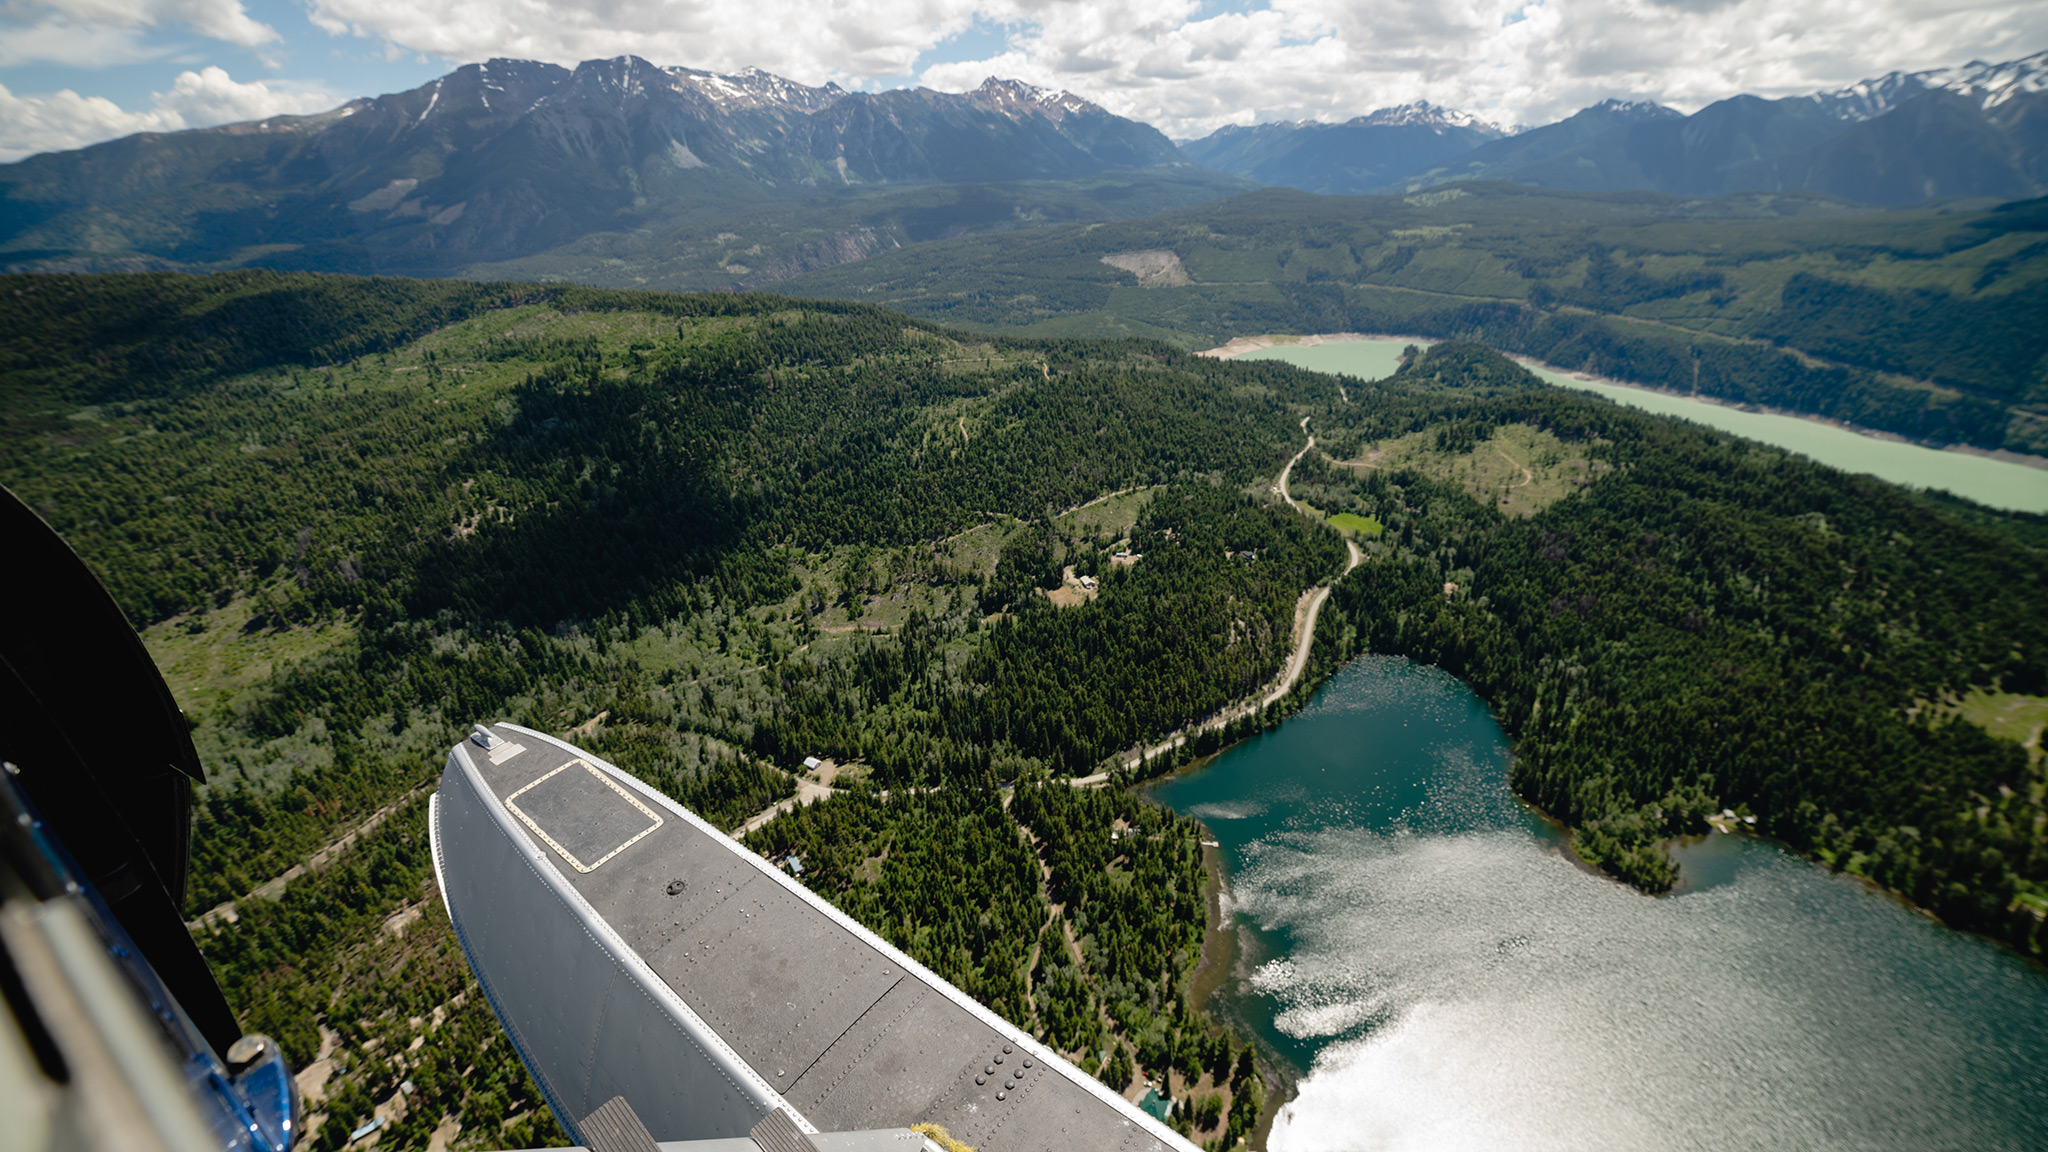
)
(1714, 625)
(702, 536)
(1924, 322)
(1078, 912)
(706, 536)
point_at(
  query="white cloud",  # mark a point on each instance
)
(846, 40)
(88, 46)
(1511, 60)
(100, 33)
(1161, 61)
(65, 119)
(210, 96)
(31, 124)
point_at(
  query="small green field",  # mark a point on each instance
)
(1520, 469)
(1353, 522)
(1108, 519)
(2008, 716)
(209, 658)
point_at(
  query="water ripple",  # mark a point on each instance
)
(1455, 982)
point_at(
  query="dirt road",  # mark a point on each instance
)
(274, 887)
(1306, 611)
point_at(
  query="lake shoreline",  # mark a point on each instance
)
(1425, 945)
(1241, 345)
(1222, 952)
(2002, 455)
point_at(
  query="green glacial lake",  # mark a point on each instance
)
(1997, 483)
(1417, 943)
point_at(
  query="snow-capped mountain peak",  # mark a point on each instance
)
(1988, 85)
(1993, 84)
(1015, 96)
(1423, 114)
(755, 88)
(1634, 110)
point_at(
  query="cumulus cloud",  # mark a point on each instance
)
(1179, 64)
(65, 119)
(1528, 61)
(31, 124)
(845, 40)
(88, 46)
(211, 96)
(98, 33)
(1166, 62)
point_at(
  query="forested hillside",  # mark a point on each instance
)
(1712, 624)
(703, 536)
(706, 536)
(1079, 912)
(1926, 323)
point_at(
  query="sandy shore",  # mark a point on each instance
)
(1244, 344)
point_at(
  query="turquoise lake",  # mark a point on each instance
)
(1997, 483)
(1417, 942)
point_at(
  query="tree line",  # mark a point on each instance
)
(1720, 625)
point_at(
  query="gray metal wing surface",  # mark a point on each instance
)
(630, 949)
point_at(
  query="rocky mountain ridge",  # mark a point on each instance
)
(1989, 85)
(506, 157)
(620, 169)
(1979, 129)
(1363, 152)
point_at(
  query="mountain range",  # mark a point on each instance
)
(623, 172)
(1977, 130)
(510, 157)
(1365, 153)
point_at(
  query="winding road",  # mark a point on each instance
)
(1306, 610)
(1311, 604)
(1281, 485)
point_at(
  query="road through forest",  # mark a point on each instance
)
(1306, 611)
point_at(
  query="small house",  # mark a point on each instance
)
(812, 763)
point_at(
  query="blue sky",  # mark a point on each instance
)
(348, 64)
(76, 71)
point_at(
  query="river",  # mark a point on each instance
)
(1419, 944)
(1993, 482)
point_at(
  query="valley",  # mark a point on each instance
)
(1917, 323)
(885, 611)
(2014, 483)
(1761, 252)
(1361, 623)
(826, 529)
